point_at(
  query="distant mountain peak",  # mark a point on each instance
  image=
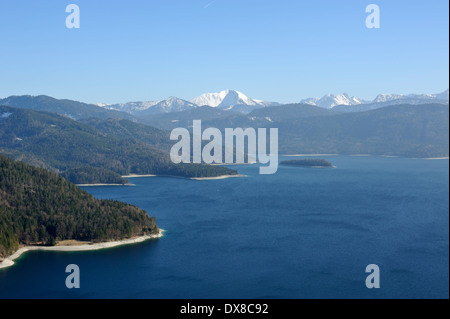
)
(411, 98)
(225, 100)
(329, 101)
(345, 102)
(130, 107)
(381, 98)
(172, 104)
(228, 99)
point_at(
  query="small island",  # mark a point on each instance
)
(308, 162)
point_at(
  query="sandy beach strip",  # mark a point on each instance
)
(94, 185)
(136, 176)
(9, 261)
(189, 178)
(216, 178)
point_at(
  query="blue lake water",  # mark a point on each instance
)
(302, 233)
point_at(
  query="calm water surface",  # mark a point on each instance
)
(302, 233)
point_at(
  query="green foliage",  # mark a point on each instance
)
(125, 129)
(40, 207)
(91, 175)
(64, 145)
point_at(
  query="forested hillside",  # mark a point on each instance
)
(40, 207)
(72, 109)
(63, 145)
(400, 130)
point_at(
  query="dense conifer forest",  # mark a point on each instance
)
(40, 207)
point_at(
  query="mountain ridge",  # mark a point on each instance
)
(343, 102)
(227, 100)
(67, 108)
(103, 147)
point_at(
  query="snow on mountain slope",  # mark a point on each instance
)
(384, 100)
(130, 107)
(239, 102)
(343, 102)
(5, 115)
(170, 105)
(228, 99)
(393, 99)
(222, 99)
(329, 101)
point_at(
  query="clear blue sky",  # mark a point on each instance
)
(277, 50)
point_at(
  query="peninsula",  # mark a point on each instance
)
(42, 210)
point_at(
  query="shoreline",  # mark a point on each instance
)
(366, 155)
(136, 176)
(189, 178)
(216, 178)
(9, 261)
(100, 184)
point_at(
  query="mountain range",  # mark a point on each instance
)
(330, 100)
(42, 138)
(87, 143)
(399, 130)
(343, 102)
(228, 100)
(225, 100)
(239, 102)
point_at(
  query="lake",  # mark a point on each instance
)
(302, 233)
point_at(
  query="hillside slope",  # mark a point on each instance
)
(40, 207)
(400, 130)
(58, 143)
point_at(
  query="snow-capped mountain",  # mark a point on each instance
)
(103, 105)
(382, 98)
(170, 105)
(228, 99)
(392, 99)
(343, 102)
(330, 100)
(130, 107)
(239, 102)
